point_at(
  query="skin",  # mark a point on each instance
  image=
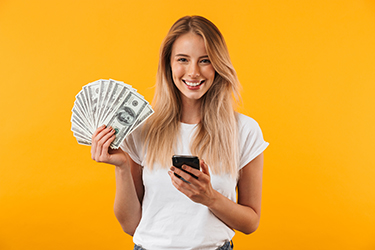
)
(129, 187)
(189, 61)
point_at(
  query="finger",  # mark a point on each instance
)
(93, 150)
(103, 132)
(98, 130)
(186, 176)
(109, 138)
(180, 185)
(105, 141)
(205, 168)
(192, 170)
(99, 140)
(176, 181)
(95, 146)
(93, 141)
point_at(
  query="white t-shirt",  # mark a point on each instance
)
(170, 220)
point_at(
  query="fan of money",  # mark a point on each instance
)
(109, 102)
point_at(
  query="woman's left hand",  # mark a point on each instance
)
(198, 189)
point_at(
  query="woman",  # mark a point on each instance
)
(194, 115)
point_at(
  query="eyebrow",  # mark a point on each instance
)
(189, 56)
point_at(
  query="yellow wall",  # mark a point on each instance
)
(308, 75)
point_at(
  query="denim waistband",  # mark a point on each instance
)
(227, 246)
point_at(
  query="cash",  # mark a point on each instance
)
(111, 103)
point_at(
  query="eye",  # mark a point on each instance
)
(181, 59)
(205, 61)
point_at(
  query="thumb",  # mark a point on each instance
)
(205, 168)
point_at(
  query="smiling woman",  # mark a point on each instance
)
(165, 207)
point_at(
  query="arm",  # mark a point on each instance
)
(243, 216)
(129, 187)
(129, 195)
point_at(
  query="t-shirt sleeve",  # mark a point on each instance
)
(132, 146)
(252, 143)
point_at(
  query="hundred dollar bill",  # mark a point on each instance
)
(87, 98)
(126, 116)
(118, 98)
(77, 108)
(93, 90)
(82, 140)
(124, 84)
(77, 116)
(146, 113)
(77, 112)
(79, 105)
(103, 86)
(79, 131)
(77, 123)
(105, 98)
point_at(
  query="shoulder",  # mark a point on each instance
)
(246, 123)
(251, 140)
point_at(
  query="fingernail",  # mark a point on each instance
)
(172, 168)
(183, 167)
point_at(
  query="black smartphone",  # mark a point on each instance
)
(189, 160)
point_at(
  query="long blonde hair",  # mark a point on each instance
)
(216, 137)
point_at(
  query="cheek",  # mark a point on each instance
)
(177, 71)
(209, 72)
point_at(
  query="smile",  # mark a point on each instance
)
(193, 83)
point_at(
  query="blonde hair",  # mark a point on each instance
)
(216, 137)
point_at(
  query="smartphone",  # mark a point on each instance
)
(189, 160)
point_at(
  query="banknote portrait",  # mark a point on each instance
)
(126, 116)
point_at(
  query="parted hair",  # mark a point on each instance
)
(216, 137)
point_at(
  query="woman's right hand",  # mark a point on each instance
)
(100, 150)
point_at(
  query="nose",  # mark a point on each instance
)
(193, 71)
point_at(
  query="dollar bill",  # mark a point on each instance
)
(106, 97)
(87, 107)
(82, 140)
(119, 96)
(125, 117)
(102, 91)
(146, 113)
(77, 123)
(93, 90)
(116, 95)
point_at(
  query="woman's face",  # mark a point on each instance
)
(192, 70)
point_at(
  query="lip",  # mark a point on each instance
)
(193, 84)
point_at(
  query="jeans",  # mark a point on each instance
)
(227, 246)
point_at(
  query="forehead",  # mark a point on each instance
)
(189, 44)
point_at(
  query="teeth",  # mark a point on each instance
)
(192, 84)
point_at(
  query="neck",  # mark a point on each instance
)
(191, 111)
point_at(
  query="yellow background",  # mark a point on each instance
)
(308, 75)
